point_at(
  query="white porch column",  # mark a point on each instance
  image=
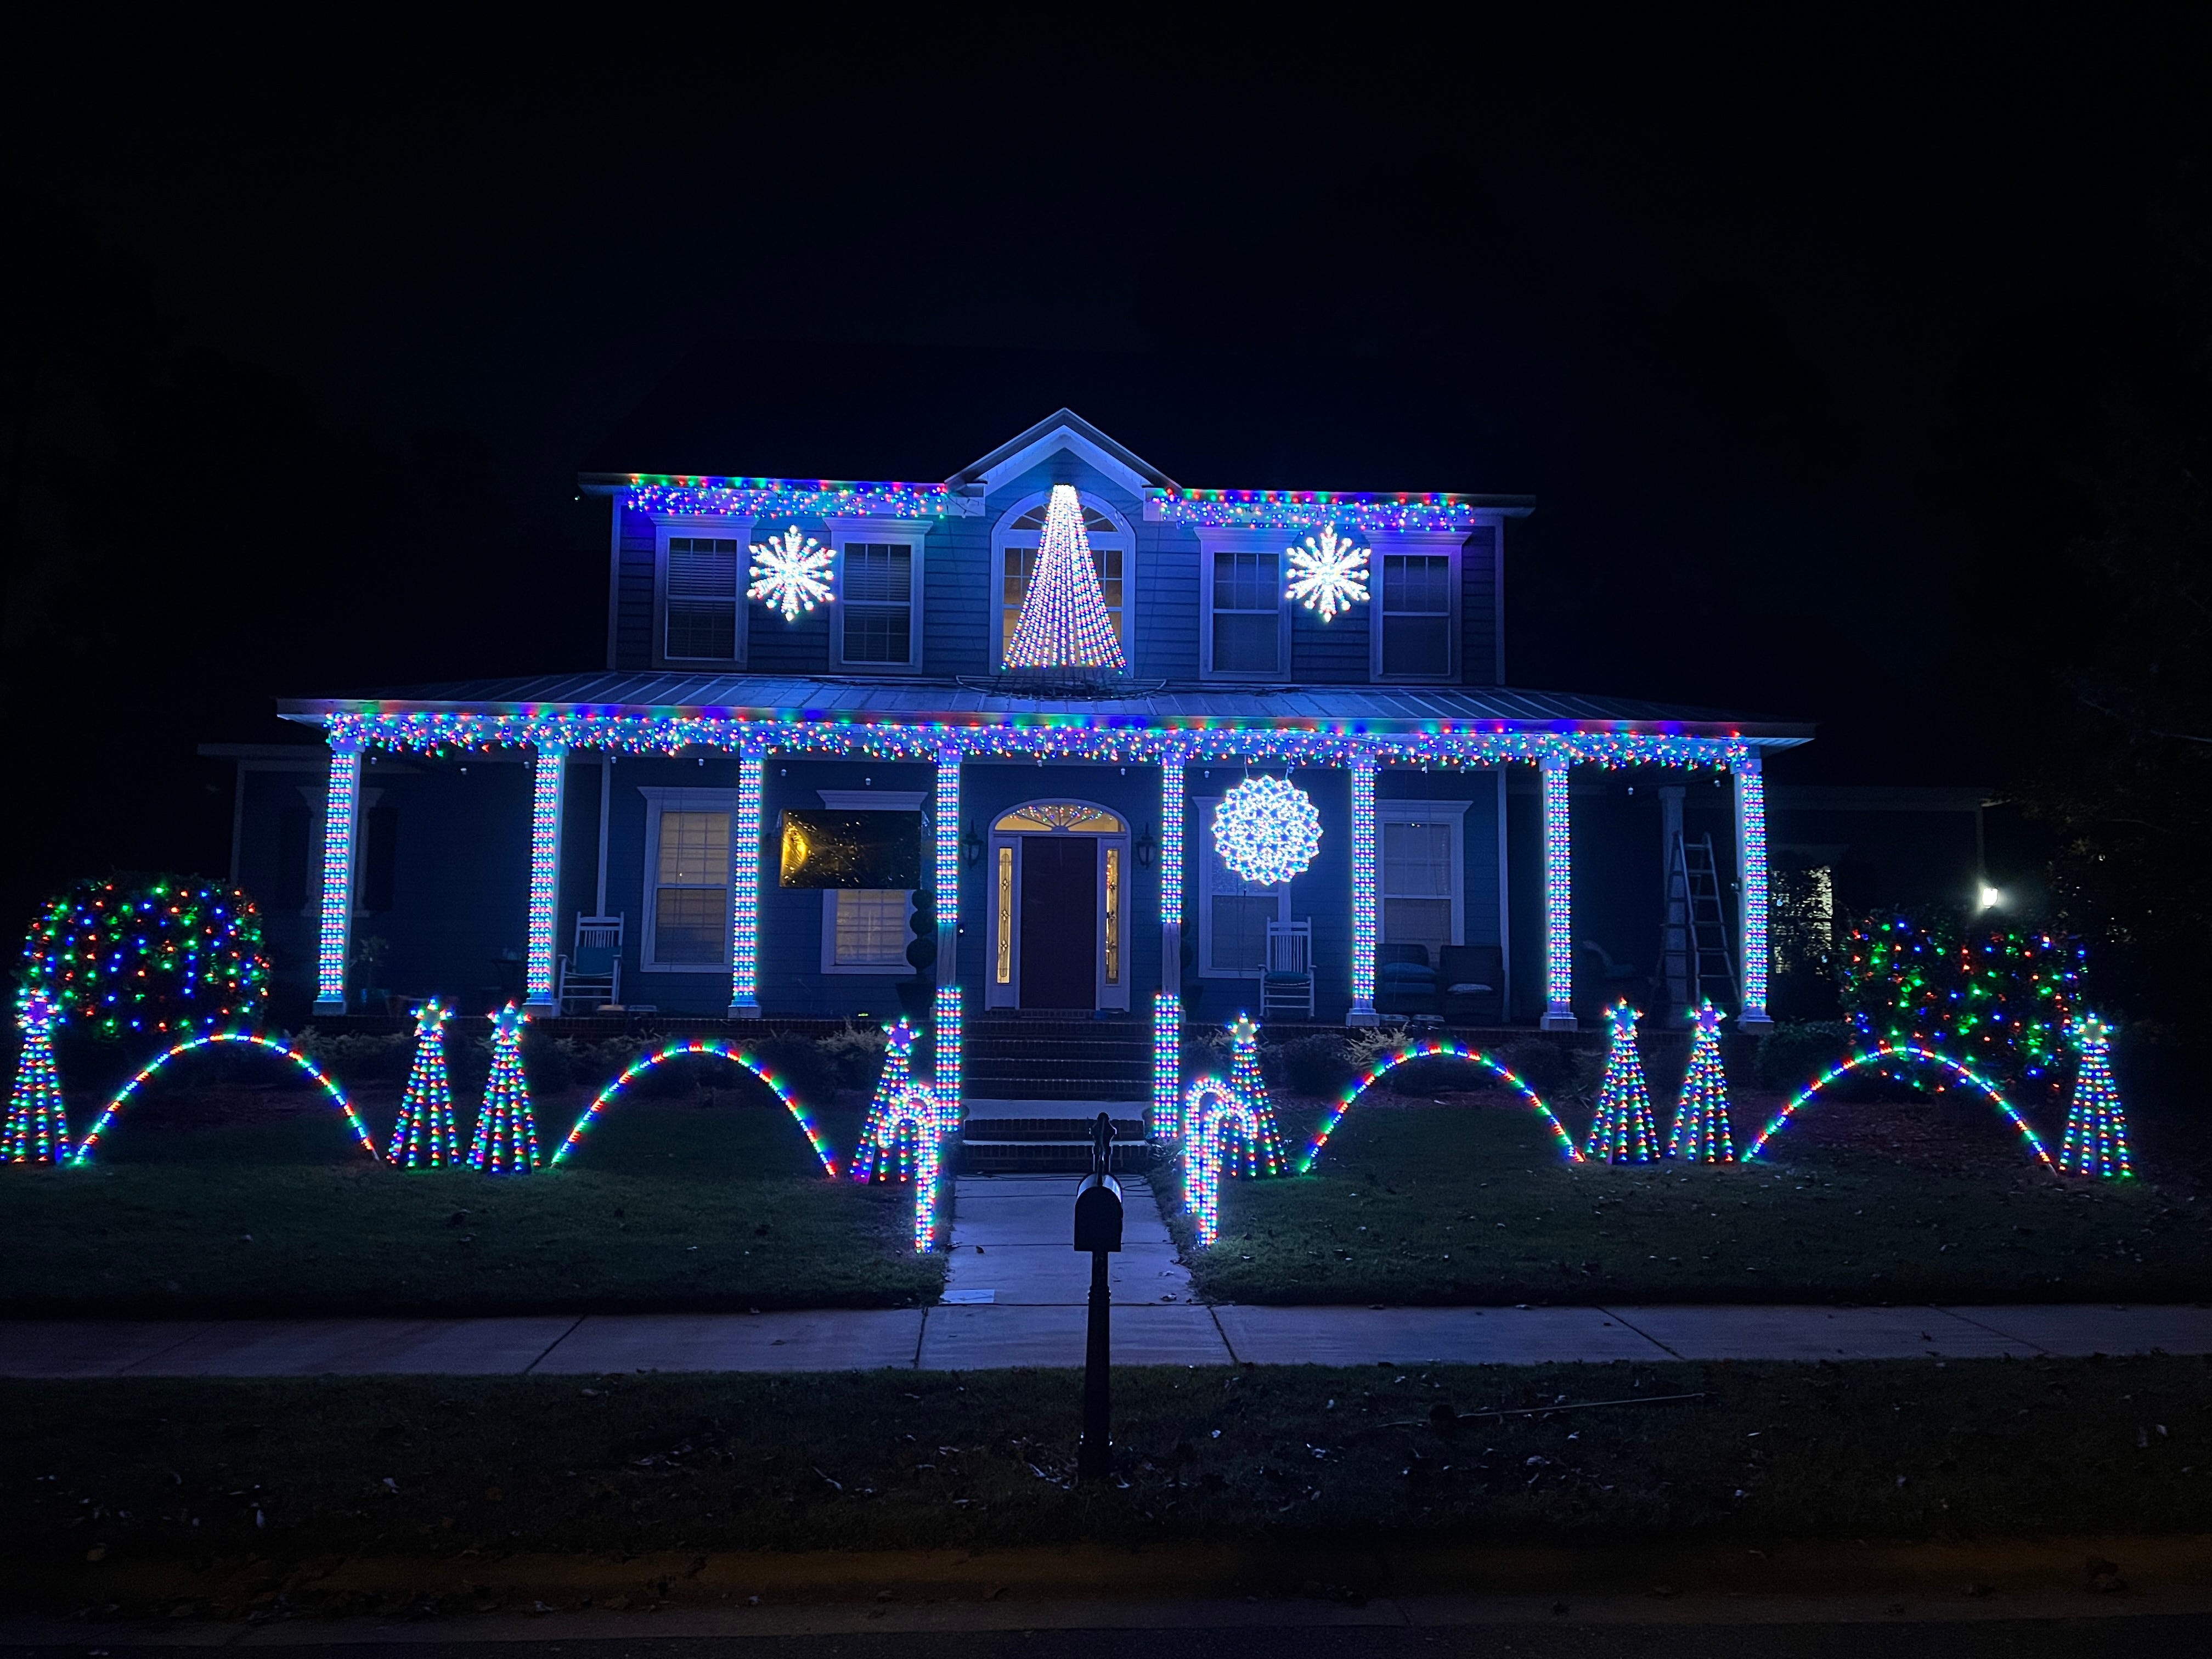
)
(745, 888)
(545, 876)
(1171, 876)
(947, 1035)
(1558, 897)
(1750, 884)
(1362, 1011)
(341, 814)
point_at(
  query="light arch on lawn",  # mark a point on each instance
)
(1441, 1049)
(146, 1073)
(712, 1049)
(1891, 1054)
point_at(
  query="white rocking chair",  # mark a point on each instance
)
(593, 974)
(1286, 978)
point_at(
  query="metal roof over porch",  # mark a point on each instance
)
(743, 697)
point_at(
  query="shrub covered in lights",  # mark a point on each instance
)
(2002, 999)
(149, 956)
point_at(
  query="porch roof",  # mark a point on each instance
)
(1372, 709)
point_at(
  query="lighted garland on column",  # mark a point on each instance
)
(1167, 1067)
(38, 1128)
(1064, 622)
(1700, 1133)
(1263, 1152)
(1624, 1132)
(505, 1139)
(2096, 1122)
(423, 1137)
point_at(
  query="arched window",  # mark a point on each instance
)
(1013, 557)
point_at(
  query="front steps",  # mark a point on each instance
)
(1032, 1088)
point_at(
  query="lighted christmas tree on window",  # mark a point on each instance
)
(1064, 622)
(1624, 1132)
(507, 1132)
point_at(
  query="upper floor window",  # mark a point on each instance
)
(1244, 625)
(1415, 614)
(702, 597)
(1112, 550)
(875, 622)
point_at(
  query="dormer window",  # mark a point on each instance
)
(700, 597)
(876, 621)
(1415, 612)
(1014, 561)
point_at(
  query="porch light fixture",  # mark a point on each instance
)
(1146, 848)
(971, 846)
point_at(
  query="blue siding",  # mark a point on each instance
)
(1478, 609)
(634, 579)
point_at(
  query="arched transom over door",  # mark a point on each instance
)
(1059, 908)
(1013, 560)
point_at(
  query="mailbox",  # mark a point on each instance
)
(1098, 1214)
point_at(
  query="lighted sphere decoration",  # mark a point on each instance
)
(1267, 831)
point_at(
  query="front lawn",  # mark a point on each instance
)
(243, 1200)
(264, 1485)
(1469, 1201)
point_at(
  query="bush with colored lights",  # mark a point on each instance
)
(2001, 1000)
(156, 955)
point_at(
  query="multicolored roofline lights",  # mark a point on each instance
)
(1075, 737)
(145, 1074)
(719, 1050)
(793, 498)
(1367, 511)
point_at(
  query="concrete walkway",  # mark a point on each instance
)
(1015, 1296)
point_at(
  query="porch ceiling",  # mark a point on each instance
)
(772, 697)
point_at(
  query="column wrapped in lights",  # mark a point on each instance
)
(948, 933)
(1701, 1132)
(1363, 890)
(423, 1136)
(38, 1128)
(745, 888)
(2096, 1122)
(1171, 875)
(341, 813)
(1558, 896)
(1167, 1067)
(545, 873)
(1623, 1131)
(1751, 870)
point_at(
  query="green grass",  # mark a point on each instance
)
(282, 1471)
(1470, 1203)
(249, 1201)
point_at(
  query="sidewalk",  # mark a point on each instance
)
(1015, 1297)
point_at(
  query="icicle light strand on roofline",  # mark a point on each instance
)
(793, 498)
(1366, 512)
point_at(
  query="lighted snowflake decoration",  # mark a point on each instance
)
(788, 573)
(1330, 575)
(1267, 831)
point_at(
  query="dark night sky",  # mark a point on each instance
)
(1792, 337)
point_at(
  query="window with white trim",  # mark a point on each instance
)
(1420, 874)
(1244, 612)
(687, 878)
(878, 612)
(1112, 550)
(1233, 914)
(1414, 615)
(865, 930)
(702, 597)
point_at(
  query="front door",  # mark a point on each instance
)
(1060, 921)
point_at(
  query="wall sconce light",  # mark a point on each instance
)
(971, 846)
(1146, 849)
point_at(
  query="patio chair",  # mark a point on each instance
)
(592, 974)
(1474, 977)
(1404, 981)
(1286, 978)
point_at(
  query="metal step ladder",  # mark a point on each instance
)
(1693, 943)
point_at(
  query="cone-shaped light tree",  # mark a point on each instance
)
(1263, 1155)
(2096, 1123)
(1624, 1131)
(1064, 622)
(423, 1136)
(1700, 1133)
(507, 1133)
(37, 1131)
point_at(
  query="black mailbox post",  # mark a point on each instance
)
(1097, 1230)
